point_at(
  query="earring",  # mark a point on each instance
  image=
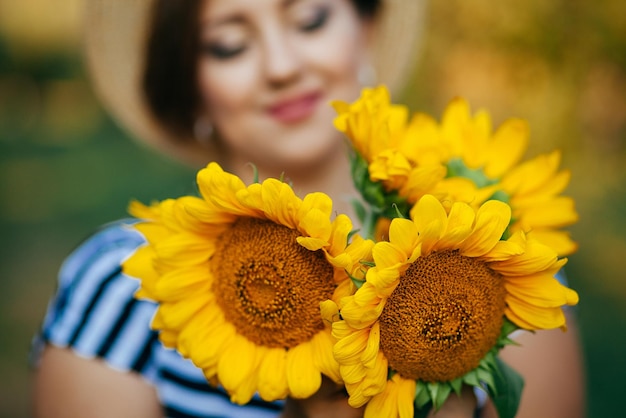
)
(203, 130)
(366, 75)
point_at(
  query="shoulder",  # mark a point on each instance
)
(110, 245)
(94, 311)
(95, 314)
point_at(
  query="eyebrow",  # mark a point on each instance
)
(238, 19)
(231, 19)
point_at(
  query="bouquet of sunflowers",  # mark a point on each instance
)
(459, 247)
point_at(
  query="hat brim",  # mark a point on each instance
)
(114, 40)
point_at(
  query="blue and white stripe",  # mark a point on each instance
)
(95, 314)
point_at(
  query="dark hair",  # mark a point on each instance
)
(170, 77)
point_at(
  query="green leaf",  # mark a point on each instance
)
(423, 411)
(456, 385)
(442, 394)
(471, 378)
(357, 282)
(486, 376)
(255, 173)
(507, 328)
(507, 390)
(457, 168)
(421, 394)
(359, 209)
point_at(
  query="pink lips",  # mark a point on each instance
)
(296, 109)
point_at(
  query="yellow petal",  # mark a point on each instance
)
(341, 227)
(358, 251)
(280, 203)
(507, 147)
(153, 231)
(252, 199)
(184, 249)
(384, 281)
(168, 338)
(370, 353)
(422, 180)
(504, 250)
(366, 296)
(178, 283)
(177, 314)
(385, 404)
(376, 377)
(329, 311)
(140, 265)
(302, 376)
(245, 390)
(141, 211)
(237, 363)
(541, 290)
(406, 395)
(341, 329)
(492, 218)
(323, 355)
(363, 309)
(348, 349)
(555, 213)
(352, 374)
(356, 399)
(536, 258)
(386, 255)
(560, 241)
(205, 213)
(316, 224)
(219, 188)
(475, 136)
(312, 244)
(403, 234)
(459, 226)
(343, 289)
(273, 375)
(531, 317)
(340, 107)
(532, 174)
(552, 187)
(431, 220)
(207, 340)
(319, 201)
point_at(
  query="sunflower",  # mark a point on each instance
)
(396, 160)
(404, 155)
(459, 160)
(492, 161)
(439, 302)
(239, 275)
(533, 189)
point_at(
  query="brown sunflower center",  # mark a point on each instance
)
(268, 285)
(442, 318)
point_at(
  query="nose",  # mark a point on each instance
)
(282, 62)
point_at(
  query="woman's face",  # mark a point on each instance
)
(268, 70)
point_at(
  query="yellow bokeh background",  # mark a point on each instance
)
(66, 167)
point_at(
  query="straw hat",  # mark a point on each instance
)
(114, 36)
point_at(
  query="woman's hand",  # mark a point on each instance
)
(457, 406)
(331, 401)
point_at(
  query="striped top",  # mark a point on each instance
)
(95, 314)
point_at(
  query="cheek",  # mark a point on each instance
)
(225, 90)
(340, 52)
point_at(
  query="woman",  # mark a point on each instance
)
(235, 81)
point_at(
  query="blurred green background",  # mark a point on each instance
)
(66, 167)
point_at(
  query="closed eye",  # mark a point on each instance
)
(318, 20)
